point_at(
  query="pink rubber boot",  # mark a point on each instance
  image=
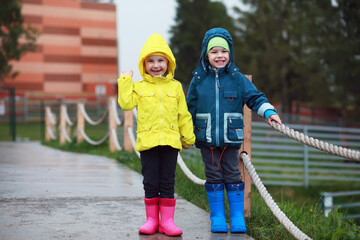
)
(167, 210)
(152, 216)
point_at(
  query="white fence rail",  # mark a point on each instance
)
(280, 160)
(328, 202)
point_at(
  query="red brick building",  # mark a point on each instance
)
(77, 48)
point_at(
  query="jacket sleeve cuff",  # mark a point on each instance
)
(264, 107)
(268, 113)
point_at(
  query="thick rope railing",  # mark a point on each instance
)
(92, 142)
(67, 118)
(114, 108)
(89, 120)
(66, 135)
(132, 139)
(116, 140)
(51, 116)
(318, 144)
(51, 133)
(284, 220)
(188, 173)
(52, 122)
(65, 130)
(114, 122)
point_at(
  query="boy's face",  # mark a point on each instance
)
(156, 65)
(218, 57)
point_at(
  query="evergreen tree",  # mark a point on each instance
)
(339, 49)
(276, 37)
(12, 29)
(302, 51)
(193, 19)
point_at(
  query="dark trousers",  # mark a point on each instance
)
(158, 167)
(225, 172)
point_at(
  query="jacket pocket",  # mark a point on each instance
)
(171, 103)
(233, 128)
(147, 98)
(230, 95)
(203, 127)
(144, 136)
(147, 104)
(143, 128)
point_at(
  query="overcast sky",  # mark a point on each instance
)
(137, 20)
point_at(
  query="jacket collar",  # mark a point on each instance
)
(157, 79)
(199, 73)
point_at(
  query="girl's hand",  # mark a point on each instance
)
(127, 72)
(275, 118)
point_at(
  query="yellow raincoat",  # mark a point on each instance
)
(162, 113)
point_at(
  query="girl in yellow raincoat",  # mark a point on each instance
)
(164, 126)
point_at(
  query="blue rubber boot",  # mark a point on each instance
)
(215, 194)
(235, 193)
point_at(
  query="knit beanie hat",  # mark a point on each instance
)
(217, 42)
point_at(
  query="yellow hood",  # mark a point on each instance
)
(157, 44)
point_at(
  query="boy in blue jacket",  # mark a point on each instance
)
(216, 97)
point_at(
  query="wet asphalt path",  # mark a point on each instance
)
(51, 194)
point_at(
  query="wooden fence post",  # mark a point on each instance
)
(112, 124)
(246, 146)
(80, 122)
(62, 124)
(128, 122)
(48, 124)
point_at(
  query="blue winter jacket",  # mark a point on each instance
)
(216, 98)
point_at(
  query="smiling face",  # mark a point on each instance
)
(156, 65)
(218, 57)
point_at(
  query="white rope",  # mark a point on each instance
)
(188, 173)
(116, 141)
(114, 107)
(132, 139)
(51, 116)
(92, 142)
(67, 118)
(284, 220)
(135, 112)
(88, 119)
(318, 144)
(63, 130)
(51, 133)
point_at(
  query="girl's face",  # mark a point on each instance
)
(156, 65)
(218, 57)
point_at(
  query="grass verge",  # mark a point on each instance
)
(305, 211)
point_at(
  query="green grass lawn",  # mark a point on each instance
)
(301, 205)
(24, 131)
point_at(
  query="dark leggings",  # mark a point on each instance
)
(225, 172)
(158, 167)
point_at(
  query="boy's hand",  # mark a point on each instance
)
(127, 72)
(275, 118)
(184, 147)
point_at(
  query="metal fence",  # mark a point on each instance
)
(27, 107)
(333, 200)
(280, 160)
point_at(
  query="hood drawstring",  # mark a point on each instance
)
(220, 157)
(212, 155)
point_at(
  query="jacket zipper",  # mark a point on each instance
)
(161, 112)
(217, 87)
